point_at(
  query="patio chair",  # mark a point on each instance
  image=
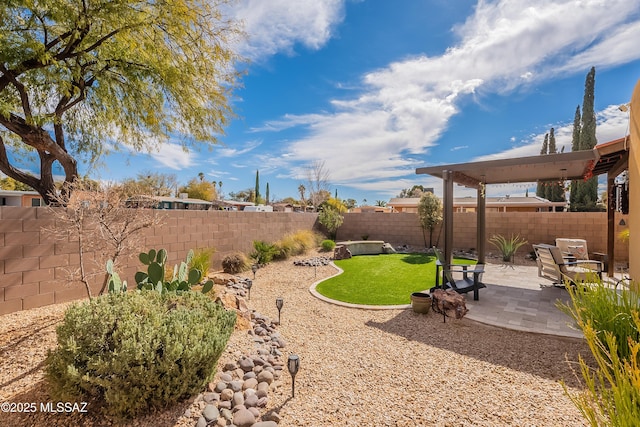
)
(553, 266)
(576, 249)
(463, 285)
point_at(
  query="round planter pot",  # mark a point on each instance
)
(420, 302)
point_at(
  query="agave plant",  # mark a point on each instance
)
(507, 247)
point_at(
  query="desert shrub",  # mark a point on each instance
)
(328, 245)
(235, 263)
(611, 393)
(201, 260)
(296, 243)
(331, 219)
(137, 351)
(606, 311)
(263, 252)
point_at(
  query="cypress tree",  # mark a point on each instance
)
(589, 189)
(575, 146)
(540, 190)
(554, 191)
(267, 194)
(257, 190)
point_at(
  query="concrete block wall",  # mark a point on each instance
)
(35, 266)
(535, 227)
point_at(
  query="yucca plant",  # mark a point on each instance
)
(507, 247)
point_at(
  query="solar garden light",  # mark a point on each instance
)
(293, 364)
(249, 284)
(254, 268)
(279, 304)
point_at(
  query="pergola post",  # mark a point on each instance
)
(447, 180)
(481, 222)
(611, 223)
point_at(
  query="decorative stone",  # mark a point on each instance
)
(261, 393)
(266, 424)
(236, 385)
(251, 401)
(248, 375)
(250, 383)
(221, 422)
(238, 398)
(226, 377)
(220, 385)
(230, 366)
(210, 397)
(248, 392)
(226, 394)
(210, 413)
(255, 412)
(187, 413)
(272, 416)
(263, 386)
(201, 422)
(341, 252)
(388, 249)
(224, 404)
(262, 402)
(226, 414)
(265, 376)
(246, 364)
(244, 418)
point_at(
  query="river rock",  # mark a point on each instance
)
(210, 413)
(244, 418)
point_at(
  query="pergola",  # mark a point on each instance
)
(610, 158)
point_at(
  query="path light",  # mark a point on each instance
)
(254, 268)
(249, 284)
(279, 304)
(293, 364)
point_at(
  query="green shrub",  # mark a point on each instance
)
(607, 311)
(235, 263)
(201, 260)
(507, 247)
(137, 351)
(611, 393)
(263, 252)
(328, 245)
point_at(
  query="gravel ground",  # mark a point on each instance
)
(358, 367)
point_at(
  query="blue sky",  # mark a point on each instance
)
(377, 88)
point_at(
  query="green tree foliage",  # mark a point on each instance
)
(586, 192)
(575, 146)
(430, 214)
(256, 192)
(415, 191)
(11, 184)
(331, 219)
(150, 184)
(544, 150)
(554, 190)
(266, 196)
(200, 189)
(76, 74)
(334, 203)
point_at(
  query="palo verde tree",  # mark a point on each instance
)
(80, 77)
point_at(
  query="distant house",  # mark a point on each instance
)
(231, 205)
(379, 209)
(20, 198)
(493, 204)
(166, 202)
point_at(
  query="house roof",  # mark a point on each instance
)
(185, 200)
(532, 201)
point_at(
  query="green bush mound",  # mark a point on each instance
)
(328, 245)
(137, 351)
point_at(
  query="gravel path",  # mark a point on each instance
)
(358, 367)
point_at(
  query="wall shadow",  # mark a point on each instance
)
(545, 356)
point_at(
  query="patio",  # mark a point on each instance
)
(516, 298)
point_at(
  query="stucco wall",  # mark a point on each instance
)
(634, 185)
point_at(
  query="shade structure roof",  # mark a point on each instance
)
(547, 167)
(560, 166)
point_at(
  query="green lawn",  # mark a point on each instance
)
(381, 279)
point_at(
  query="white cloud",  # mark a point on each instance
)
(406, 106)
(611, 125)
(223, 151)
(173, 156)
(276, 26)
